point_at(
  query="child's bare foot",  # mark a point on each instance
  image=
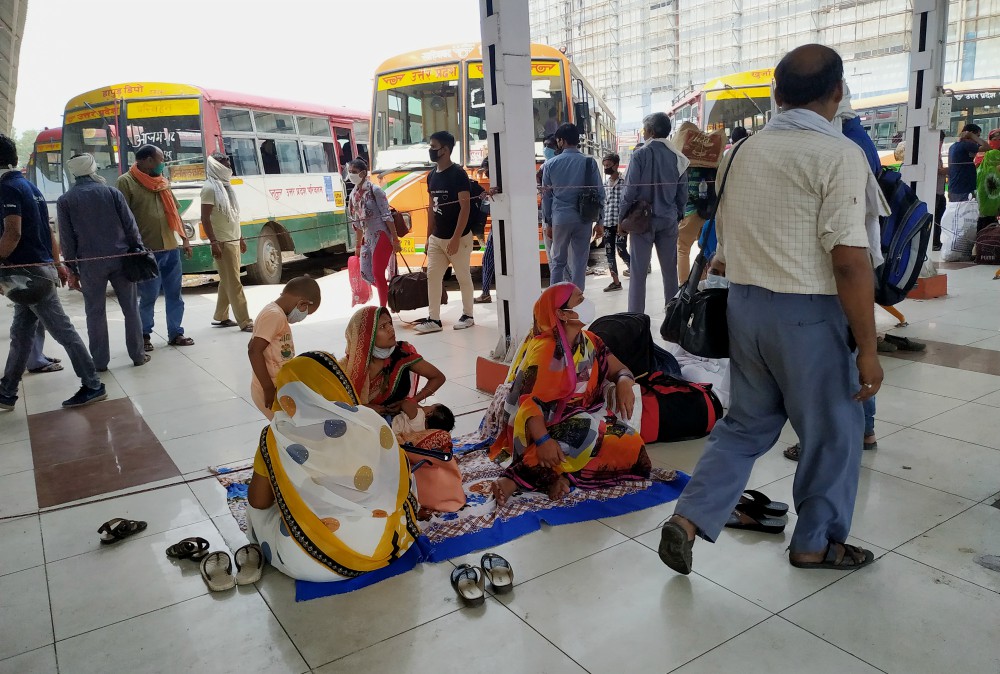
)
(559, 488)
(502, 489)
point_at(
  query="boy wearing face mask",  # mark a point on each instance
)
(271, 345)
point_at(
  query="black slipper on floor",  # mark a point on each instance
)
(119, 528)
(847, 561)
(190, 548)
(759, 502)
(468, 583)
(759, 521)
(228, 323)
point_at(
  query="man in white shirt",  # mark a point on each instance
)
(792, 240)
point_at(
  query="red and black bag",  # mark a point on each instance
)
(675, 410)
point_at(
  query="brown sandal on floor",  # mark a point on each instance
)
(119, 528)
(839, 557)
(792, 453)
(181, 340)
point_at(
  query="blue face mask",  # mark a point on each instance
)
(548, 153)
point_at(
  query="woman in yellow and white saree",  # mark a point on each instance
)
(330, 495)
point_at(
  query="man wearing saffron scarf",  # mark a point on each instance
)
(148, 194)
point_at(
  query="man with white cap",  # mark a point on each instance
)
(220, 216)
(95, 222)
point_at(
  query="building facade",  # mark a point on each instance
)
(643, 54)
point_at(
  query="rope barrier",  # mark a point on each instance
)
(349, 221)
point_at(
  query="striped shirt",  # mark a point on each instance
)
(613, 199)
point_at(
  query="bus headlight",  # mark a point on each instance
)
(406, 219)
(189, 230)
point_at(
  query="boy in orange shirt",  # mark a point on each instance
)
(271, 345)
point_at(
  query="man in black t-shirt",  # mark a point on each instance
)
(29, 277)
(450, 234)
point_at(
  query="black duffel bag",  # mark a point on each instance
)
(409, 291)
(696, 319)
(140, 265)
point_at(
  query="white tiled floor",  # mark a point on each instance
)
(589, 597)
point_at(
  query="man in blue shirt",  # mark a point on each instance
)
(25, 240)
(564, 177)
(961, 166)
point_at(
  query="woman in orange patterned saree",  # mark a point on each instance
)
(558, 431)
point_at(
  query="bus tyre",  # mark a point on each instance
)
(267, 268)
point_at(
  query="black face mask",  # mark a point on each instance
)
(609, 170)
(433, 154)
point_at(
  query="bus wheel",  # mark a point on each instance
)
(267, 268)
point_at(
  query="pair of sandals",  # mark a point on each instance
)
(469, 582)
(756, 512)
(230, 323)
(217, 567)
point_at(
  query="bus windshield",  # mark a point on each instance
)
(98, 137)
(174, 126)
(409, 107)
(548, 103)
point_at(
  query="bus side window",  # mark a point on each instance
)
(320, 157)
(343, 137)
(243, 155)
(269, 157)
(289, 159)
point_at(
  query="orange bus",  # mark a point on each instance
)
(441, 89)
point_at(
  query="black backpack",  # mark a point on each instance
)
(478, 209)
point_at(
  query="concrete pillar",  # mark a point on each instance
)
(509, 121)
(929, 110)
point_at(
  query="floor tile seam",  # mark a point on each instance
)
(269, 608)
(102, 498)
(543, 637)
(821, 638)
(931, 566)
(40, 648)
(906, 479)
(379, 642)
(48, 593)
(939, 524)
(587, 556)
(205, 431)
(720, 645)
(940, 395)
(134, 537)
(942, 435)
(125, 620)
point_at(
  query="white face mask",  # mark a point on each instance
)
(586, 312)
(355, 178)
(382, 354)
(297, 315)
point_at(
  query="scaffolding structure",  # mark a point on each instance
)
(643, 54)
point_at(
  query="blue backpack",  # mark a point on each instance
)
(906, 233)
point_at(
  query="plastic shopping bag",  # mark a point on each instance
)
(958, 230)
(361, 292)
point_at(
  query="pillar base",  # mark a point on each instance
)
(930, 287)
(490, 374)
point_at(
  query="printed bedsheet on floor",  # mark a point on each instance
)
(479, 524)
